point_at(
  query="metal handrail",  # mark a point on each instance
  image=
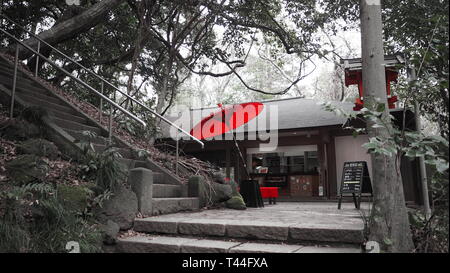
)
(40, 40)
(76, 79)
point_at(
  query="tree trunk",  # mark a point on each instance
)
(389, 220)
(72, 27)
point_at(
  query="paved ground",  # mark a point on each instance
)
(286, 227)
(305, 214)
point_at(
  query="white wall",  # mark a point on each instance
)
(349, 148)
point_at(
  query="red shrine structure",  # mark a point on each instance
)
(353, 75)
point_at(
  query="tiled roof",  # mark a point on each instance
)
(293, 113)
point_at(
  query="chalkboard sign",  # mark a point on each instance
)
(355, 180)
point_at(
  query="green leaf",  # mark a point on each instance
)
(411, 153)
(370, 146)
(381, 107)
(376, 125)
(377, 219)
(385, 151)
(441, 166)
(387, 241)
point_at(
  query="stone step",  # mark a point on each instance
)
(9, 72)
(165, 190)
(173, 205)
(37, 95)
(5, 64)
(75, 126)
(7, 79)
(158, 177)
(244, 227)
(52, 106)
(28, 89)
(127, 162)
(8, 68)
(32, 95)
(34, 91)
(68, 116)
(7, 76)
(166, 244)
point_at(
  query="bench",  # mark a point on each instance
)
(269, 192)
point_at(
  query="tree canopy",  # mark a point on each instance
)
(151, 47)
(166, 41)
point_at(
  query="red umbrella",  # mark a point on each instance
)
(227, 119)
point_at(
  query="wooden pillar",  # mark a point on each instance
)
(228, 160)
(331, 155)
(323, 153)
(237, 167)
(322, 166)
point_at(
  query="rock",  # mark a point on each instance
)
(73, 198)
(35, 114)
(220, 192)
(208, 194)
(236, 202)
(40, 147)
(120, 208)
(110, 231)
(25, 169)
(16, 129)
(219, 177)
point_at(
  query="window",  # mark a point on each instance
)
(285, 160)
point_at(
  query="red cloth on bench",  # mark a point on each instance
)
(269, 192)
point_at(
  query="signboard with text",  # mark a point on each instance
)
(355, 180)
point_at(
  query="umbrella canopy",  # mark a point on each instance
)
(227, 119)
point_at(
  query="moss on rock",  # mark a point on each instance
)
(39, 147)
(74, 198)
(25, 169)
(15, 129)
(236, 202)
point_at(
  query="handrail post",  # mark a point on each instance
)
(177, 154)
(111, 113)
(100, 109)
(13, 91)
(37, 59)
(110, 126)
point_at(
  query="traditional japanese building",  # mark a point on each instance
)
(307, 159)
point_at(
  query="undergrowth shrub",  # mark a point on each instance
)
(35, 221)
(103, 168)
(431, 235)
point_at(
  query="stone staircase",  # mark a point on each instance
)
(281, 228)
(67, 123)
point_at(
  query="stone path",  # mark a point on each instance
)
(305, 213)
(285, 227)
